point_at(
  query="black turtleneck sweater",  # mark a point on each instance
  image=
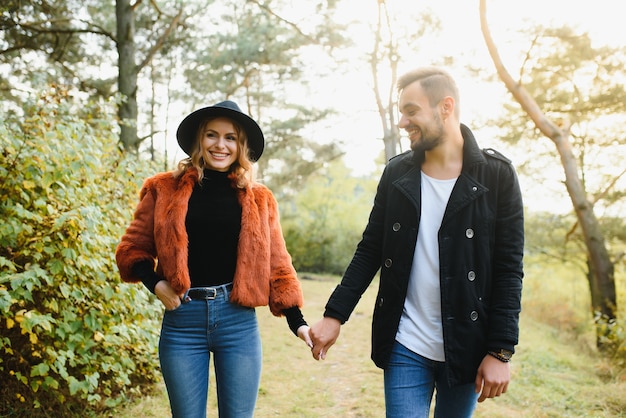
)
(213, 223)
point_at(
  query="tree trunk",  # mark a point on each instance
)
(601, 269)
(602, 279)
(392, 145)
(127, 77)
(603, 320)
(391, 133)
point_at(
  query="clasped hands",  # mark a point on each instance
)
(321, 336)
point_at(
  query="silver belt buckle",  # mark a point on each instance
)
(214, 295)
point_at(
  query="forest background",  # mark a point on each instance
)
(93, 91)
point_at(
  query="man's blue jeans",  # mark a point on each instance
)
(189, 334)
(411, 380)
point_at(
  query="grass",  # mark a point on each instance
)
(555, 373)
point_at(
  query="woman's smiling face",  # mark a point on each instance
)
(219, 143)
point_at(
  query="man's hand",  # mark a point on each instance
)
(324, 334)
(492, 378)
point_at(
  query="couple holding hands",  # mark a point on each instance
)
(445, 230)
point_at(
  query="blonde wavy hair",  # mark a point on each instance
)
(242, 167)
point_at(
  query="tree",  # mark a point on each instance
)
(128, 69)
(75, 40)
(383, 61)
(391, 133)
(248, 51)
(556, 101)
(46, 42)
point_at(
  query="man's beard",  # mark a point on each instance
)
(426, 144)
(430, 138)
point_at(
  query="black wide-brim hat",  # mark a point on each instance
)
(188, 128)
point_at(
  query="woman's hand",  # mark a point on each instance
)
(167, 295)
(303, 334)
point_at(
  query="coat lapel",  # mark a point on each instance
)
(467, 188)
(409, 185)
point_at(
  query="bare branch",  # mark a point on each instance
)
(288, 22)
(17, 47)
(609, 187)
(520, 94)
(527, 57)
(36, 27)
(374, 66)
(101, 30)
(159, 43)
(156, 7)
(133, 7)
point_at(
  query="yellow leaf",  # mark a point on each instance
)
(33, 338)
(19, 315)
(10, 323)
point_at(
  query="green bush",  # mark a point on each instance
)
(74, 339)
(325, 221)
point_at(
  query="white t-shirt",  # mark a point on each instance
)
(420, 328)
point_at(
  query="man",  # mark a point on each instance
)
(447, 232)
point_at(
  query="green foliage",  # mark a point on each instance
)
(73, 338)
(324, 222)
(613, 339)
(554, 244)
(553, 237)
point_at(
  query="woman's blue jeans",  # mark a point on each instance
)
(411, 380)
(189, 334)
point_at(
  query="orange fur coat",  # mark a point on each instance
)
(264, 273)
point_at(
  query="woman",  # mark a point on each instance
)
(207, 241)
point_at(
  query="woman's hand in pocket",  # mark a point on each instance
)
(170, 299)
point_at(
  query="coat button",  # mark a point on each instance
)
(380, 302)
(471, 276)
(469, 233)
(388, 262)
(396, 227)
(474, 315)
(474, 188)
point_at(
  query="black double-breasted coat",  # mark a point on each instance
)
(481, 243)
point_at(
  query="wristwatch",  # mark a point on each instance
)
(502, 355)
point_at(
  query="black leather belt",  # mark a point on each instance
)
(207, 293)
